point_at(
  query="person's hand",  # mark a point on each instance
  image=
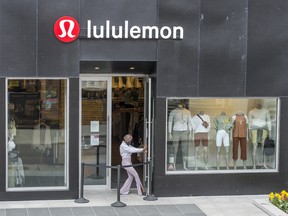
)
(145, 147)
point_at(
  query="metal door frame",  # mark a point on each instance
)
(90, 77)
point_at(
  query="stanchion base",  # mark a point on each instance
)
(150, 197)
(118, 204)
(81, 200)
(97, 177)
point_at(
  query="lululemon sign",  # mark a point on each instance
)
(66, 29)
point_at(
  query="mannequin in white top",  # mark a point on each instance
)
(201, 135)
(179, 131)
(259, 129)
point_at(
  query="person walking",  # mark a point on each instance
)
(126, 150)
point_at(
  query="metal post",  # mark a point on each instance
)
(81, 199)
(97, 176)
(118, 203)
(150, 196)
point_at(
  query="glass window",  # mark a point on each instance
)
(94, 130)
(221, 135)
(36, 133)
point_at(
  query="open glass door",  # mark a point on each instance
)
(95, 129)
(130, 114)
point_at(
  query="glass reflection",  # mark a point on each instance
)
(36, 133)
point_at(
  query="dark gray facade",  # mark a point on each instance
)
(231, 48)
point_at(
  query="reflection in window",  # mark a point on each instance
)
(221, 134)
(37, 133)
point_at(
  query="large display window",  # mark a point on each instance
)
(221, 135)
(36, 134)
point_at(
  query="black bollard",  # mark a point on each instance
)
(149, 196)
(81, 199)
(118, 203)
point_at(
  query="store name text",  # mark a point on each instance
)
(134, 32)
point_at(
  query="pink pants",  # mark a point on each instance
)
(132, 173)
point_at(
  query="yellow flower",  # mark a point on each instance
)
(280, 200)
(278, 196)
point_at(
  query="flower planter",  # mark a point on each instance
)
(268, 207)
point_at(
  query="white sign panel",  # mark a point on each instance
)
(94, 139)
(94, 126)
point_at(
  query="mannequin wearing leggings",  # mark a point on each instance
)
(180, 131)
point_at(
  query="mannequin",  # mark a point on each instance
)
(11, 126)
(179, 131)
(223, 125)
(15, 179)
(259, 129)
(201, 135)
(240, 122)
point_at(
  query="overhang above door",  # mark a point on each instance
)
(103, 67)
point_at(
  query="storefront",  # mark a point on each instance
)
(203, 83)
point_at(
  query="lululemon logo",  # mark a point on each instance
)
(66, 29)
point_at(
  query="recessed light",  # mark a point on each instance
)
(97, 68)
(132, 68)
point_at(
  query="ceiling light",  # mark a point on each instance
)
(132, 68)
(96, 68)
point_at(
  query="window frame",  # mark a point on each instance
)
(223, 171)
(66, 152)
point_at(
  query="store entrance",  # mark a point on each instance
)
(111, 107)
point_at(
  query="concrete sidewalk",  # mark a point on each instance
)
(100, 204)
